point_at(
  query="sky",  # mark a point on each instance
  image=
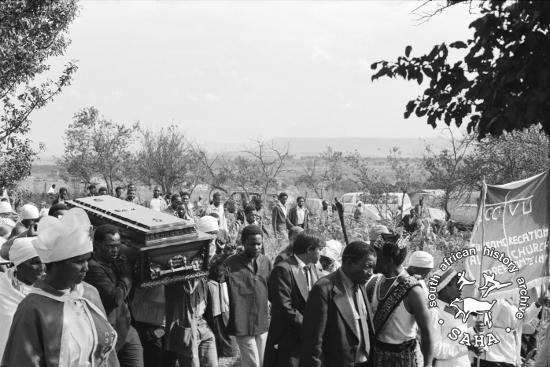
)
(232, 71)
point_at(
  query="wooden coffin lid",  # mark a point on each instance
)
(130, 214)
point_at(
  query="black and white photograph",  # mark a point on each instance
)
(274, 183)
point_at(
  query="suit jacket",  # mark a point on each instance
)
(329, 334)
(293, 216)
(113, 293)
(278, 219)
(288, 293)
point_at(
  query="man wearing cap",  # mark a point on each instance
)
(61, 322)
(421, 264)
(186, 306)
(289, 285)
(16, 283)
(400, 307)
(30, 215)
(331, 256)
(448, 353)
(111, 274)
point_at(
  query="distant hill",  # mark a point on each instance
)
(369, 147)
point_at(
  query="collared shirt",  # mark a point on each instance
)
(448, 353)
(248, 296)
(361, 355)
(283, 208)
(301, 214)
(158, 204)
(305, 269)
(221, 214)
(508, 350)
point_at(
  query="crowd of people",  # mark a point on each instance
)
(69, 298)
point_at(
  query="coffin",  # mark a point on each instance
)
(165, 249)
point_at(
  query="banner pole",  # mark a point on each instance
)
(483, 198)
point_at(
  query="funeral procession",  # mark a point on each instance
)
(282, 183)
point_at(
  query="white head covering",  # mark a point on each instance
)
(332, 250)
(62, 239)
(29, 211)
(22, 250)
(208, 224)
(5, 207)
(7, 222)
(421, 259)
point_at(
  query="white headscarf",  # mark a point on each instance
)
(22, 250)
(62, 239)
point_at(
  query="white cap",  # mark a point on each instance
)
(208, 224)
(332, 250)
(62, 239)
(421, 259)
(22, 250)
(5, 207)
(29, 211)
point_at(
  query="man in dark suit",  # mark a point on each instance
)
(299, 214)
(337, 327)
(111, 273)
(289, 286)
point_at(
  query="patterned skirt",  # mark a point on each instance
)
(395, 355)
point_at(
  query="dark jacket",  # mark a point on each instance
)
(248, 298)
(288, 295)
(279, 220)
(329, 336)
(293, 216)
(113, 293)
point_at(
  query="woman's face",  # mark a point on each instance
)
(70, 272)
(29, 271)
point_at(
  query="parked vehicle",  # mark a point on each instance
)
(384, 205)
(349, 201)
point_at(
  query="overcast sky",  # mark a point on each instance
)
(231, 71)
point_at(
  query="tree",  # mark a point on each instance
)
(510, 157)
(447, 169)
(166, 158)
(500, 82)
(269, 162)
(326, 172)
(314, 177)
(96, 146)
(16, 158)
(32, 32)
(213, 170)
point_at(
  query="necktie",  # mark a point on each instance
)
(308, 277)
(362, 312)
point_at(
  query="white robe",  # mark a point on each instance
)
(12, 292)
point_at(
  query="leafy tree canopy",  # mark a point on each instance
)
(32, 31)
(500, 81)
